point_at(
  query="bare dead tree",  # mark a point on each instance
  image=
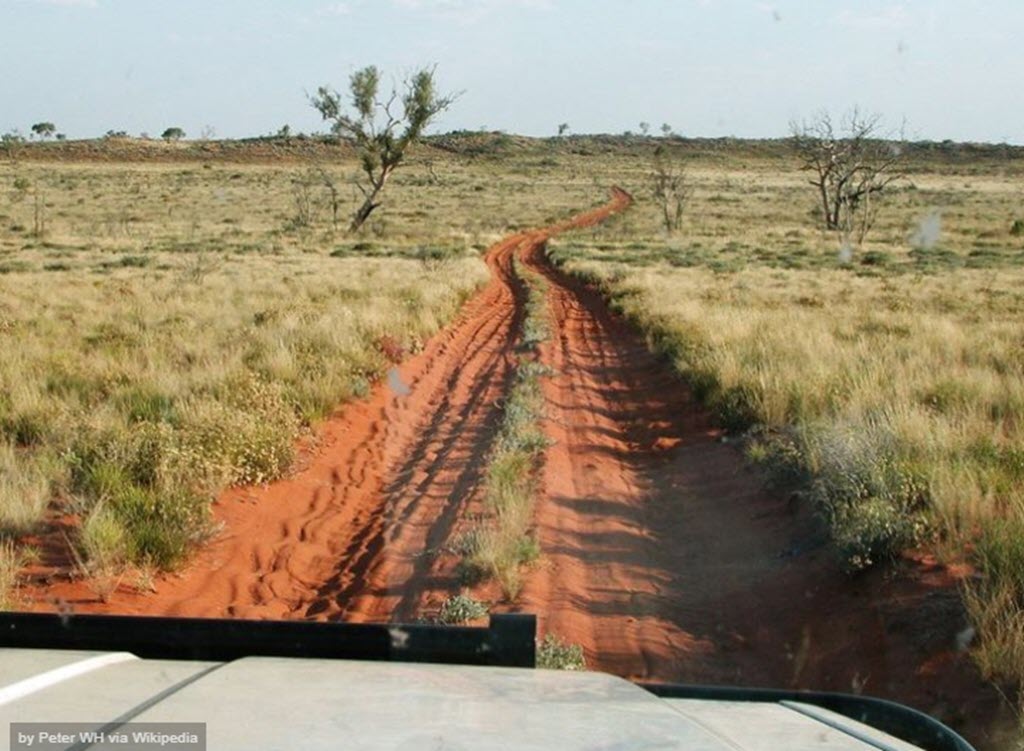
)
(379, 132)
(334, 195)
(669, 187)
(851, 167)
(308, 202)
(305, 200)
(432, 177)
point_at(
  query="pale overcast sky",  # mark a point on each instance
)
(949, 68)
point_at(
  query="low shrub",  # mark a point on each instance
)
(872, 531)
(461, 608)
(555, 654)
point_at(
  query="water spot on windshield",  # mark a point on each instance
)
(928, 231)
(396, 384)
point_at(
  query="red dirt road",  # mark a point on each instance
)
(662, 553)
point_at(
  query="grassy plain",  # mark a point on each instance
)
(170, 324)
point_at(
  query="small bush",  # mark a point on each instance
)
(461, 608)
(873, 531)
(249, 431)
(555, 654)
(162, 528)
(138, 481)
(874, 500)
(1017, 228)
(876, 258)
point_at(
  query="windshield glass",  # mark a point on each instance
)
(691, 328)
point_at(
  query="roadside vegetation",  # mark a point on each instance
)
(503, 545)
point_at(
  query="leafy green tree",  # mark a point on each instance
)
(380, 133)
(44, 129)
(563, 128)
(173, 134)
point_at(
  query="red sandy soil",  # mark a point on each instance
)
(663, 554)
